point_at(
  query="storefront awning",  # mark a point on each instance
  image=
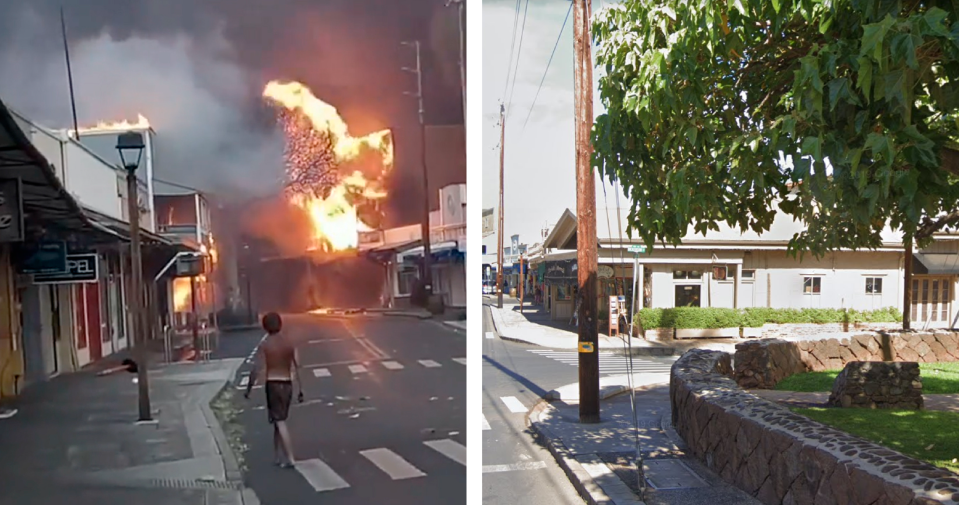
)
(435, 249)
(935, 264)
(46, 203)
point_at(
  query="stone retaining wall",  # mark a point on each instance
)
(784, 458)
(878, 384)
(763, 363)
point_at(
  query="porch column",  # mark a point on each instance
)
(642, 289)
(739, 274)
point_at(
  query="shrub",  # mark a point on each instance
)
(650, 318)
(755, 317)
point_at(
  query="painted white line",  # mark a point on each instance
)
(489, 334)
(461, 361)
(513, 404)
(321, 372)
(328, 340)
(320, 475)
(428, 363)
(244, 381)
(449, 448)
(391, 463)
(526, 465)
(392, 365)
(485, 423)
(358, 369)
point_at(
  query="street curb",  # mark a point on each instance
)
(591, 492)
(409, 314)
(231, 466)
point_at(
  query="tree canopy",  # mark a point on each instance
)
(841, 113)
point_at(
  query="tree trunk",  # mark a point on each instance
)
(907, 291)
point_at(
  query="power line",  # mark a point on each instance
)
(176, 185)
(512, 45)
(561, 30)
(519, 52)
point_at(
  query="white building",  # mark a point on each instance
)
(734, 269)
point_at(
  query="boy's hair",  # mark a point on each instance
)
(272, 323)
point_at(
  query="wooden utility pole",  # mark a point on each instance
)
(586, 254)
(522, 283)
(426, 271)
(907, 292)
(499, 239)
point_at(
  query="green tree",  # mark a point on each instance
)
(705, 100)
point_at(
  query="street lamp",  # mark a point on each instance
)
(130, 146)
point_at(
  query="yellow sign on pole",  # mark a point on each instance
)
(586, 347)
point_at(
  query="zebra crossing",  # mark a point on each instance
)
(609, 363)
(321, 372)
(323, 477)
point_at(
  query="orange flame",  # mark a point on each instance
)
(334, 216)
(118, 126)
(181, 294)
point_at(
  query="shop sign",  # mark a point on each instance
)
(80, 268)
(11, 211)
(605, 271)
(43, 257)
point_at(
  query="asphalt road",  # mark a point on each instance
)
(515, 377)
(384, 418)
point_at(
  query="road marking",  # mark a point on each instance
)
(391, 463)
(513, 404)
(485, 423)
(527, 465)
(489, 334)
(321, 372)
(328, 340)
(244, 381)
(461, 361)
(449, 448)
(392, 365)
(320, 475)
(358, 368)
(428, 363)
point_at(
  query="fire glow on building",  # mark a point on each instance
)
(336, 178)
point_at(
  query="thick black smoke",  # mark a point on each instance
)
(196, 70)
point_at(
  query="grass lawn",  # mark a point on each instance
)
(926, 435)
(937, 378)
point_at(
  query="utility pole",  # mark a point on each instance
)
(196, 324)
(499, 239)
(427, 259)
(907, 292)
(461, 6)
(522, 283)
(586, 254)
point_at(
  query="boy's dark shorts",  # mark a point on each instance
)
(279, 395)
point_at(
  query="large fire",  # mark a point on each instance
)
(328, 171)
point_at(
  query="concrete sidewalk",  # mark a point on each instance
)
(601, 459)
(534, 326)
(77, 440)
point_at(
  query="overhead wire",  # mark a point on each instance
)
(558, 37)
(512, 45)
(519, 53)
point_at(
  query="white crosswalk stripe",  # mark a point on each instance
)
(428, 363)
(609, 363)
(320, 475)
(489, 334)
(392, 365)
(393, 464)
(461, 361)
(485, 423)
(449, 448)
(513, 404)
(358, 369)
(321, 372)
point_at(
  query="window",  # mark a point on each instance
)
(687, 274)
(873, 285)
(564, 293)
(405, 280)
(749, 275)
(812, 285)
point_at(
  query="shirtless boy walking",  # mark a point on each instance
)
(277, 359)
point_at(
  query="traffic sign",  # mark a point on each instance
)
(638, 249)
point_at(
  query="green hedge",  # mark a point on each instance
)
(755, 317)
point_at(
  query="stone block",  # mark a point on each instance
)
(877, 384)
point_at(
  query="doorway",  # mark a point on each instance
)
(931, 299)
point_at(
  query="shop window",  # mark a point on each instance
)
(873, 285)
(564, 293)
(406, 279)
(688, 296)
(687, 274)
(812, 285)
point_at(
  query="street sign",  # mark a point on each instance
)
(42, 257)
(80, 268)
(637, 249)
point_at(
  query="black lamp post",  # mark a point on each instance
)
(130, 145)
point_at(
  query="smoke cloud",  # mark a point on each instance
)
(196, 71)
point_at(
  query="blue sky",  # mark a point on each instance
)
(540, 167)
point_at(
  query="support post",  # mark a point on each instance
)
(499, 239)
(907, 292)
(136, 298)
(522, 283)
(195, 325)
(586, 253)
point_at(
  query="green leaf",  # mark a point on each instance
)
(903, 48)
(934, 18)
(812, 146)
(776, 6)
(854, 159)
(691, 134)
(873, 36)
